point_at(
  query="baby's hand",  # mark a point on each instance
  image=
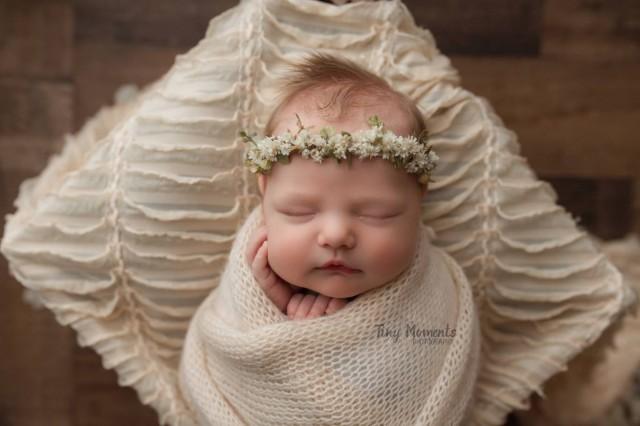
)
(287, 297)
(303, 305)
(276, 289)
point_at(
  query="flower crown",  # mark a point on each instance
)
(408, 152)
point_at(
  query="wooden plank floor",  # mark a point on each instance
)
(563, 75)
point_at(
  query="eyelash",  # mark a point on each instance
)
(379, 217)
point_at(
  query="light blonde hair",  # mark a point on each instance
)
(345, 82)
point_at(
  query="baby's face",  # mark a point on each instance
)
(366, 216)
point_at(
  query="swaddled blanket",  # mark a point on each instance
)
(405, 353)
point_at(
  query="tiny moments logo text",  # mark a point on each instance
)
(429, 336)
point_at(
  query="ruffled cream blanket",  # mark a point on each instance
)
(128, 229)
(405, 353)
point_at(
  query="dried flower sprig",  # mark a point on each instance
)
(408, 152)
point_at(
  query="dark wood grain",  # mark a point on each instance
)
(168, 23)
(482, 27)
(38, 108)
(35, 114)
(593, 30)
(36, 38)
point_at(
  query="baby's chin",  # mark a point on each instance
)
(335, 295)
(336, 289)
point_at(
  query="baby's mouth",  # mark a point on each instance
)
(339, 268)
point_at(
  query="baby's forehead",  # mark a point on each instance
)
(311, 106)
(366, 176)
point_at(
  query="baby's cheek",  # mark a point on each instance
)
(392, 255)
(286, 256)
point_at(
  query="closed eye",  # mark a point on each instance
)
(303, 214)
(297, 214)
(379, 217)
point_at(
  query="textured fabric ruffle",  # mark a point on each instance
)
(126, 232)
(537, 278)
(598, 387)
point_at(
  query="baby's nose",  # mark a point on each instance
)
(336, 232)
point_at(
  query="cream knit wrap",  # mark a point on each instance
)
(244, 362)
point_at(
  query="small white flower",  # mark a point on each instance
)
(306, 153)
(388, 139)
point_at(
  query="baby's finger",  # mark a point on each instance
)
(255, 242)
(259, 266)
(259, 236)
(319, 306)
(277, 290)
(335, 305)
(294, 304)
(305, 306)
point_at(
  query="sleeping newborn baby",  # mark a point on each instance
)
(334, 230)
(389, 335)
